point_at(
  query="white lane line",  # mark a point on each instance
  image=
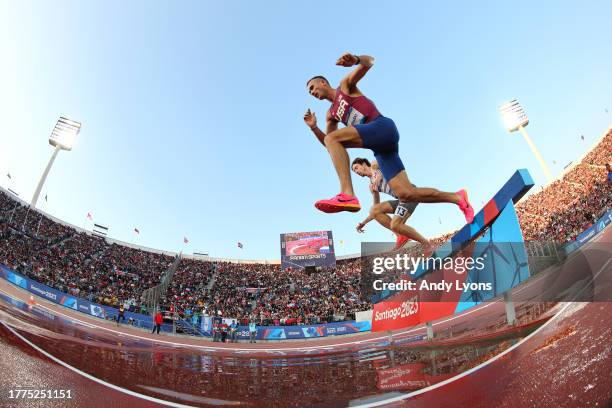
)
(382, 337)
(91, 377)
(329, 346)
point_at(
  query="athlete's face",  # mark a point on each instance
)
(361, 169)
(317, 88)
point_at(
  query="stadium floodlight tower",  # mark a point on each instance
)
(62, 138)
(515, 118)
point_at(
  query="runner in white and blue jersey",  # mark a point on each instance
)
(379, 211)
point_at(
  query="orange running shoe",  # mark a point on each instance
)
(341, 202)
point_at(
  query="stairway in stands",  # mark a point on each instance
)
(212, 280)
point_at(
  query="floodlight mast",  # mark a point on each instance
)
(62, 138)
(515, 118)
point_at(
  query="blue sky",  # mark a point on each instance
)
(192, 111)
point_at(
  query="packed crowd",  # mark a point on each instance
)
(293, 296)
(329, 294)
(568, 206)
(188, 289)
(88, 266)
(75, 262)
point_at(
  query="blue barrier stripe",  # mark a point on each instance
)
(515, 188)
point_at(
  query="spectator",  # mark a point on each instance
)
(224, 330)
(121, 314)
(252, 331)
(157, 321)
(234, 332)
(216, 331)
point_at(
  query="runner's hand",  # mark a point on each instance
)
(310, 119)
(347, 60)
(360, 227)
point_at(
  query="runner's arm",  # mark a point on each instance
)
(376, 200)
(311, 121)
(363, 62)
(319, 134)
(375, 194)
(331, 126)
(364, 222)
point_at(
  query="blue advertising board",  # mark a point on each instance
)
(146, 321)
(72, 302)
(590, 232)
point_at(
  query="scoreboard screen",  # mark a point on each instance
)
(302, 249)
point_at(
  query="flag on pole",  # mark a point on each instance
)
(185, 240)
(89, 216)
(240, 245)
(136, 230)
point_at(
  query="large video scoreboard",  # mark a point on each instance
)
(302, 249)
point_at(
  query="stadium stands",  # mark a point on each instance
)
(78, 263)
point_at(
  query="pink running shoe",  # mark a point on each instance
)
(465, 206)
(341, 202)
(400, 241)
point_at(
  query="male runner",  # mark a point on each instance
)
(366, 128)
(379, 210)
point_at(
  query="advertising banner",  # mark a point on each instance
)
(590, 232)
(305, 332)
(72, 302)
(104, 312)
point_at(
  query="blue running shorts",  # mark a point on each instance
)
(381, 136)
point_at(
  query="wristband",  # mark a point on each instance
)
(358, 59)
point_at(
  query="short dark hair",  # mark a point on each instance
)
(361, 160)
(317, 77)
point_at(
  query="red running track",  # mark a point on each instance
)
(561, 360)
